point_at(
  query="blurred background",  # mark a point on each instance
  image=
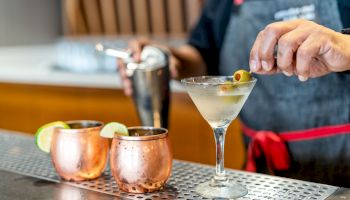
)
(30, 22)
(49, 69)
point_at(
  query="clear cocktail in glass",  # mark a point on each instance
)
(219, 100)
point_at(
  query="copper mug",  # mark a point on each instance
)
(79, 153)
(142, 161)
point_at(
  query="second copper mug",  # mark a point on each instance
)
(79, 153)
(142, 161)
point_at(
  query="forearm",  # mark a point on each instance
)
(189, 62)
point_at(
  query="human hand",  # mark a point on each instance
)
(136, 46)
(304, 48)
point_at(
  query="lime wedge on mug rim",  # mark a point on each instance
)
(112, 128)
(43, 136)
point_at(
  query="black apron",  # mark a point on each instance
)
(281, 104)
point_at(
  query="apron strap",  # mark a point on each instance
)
(273, 148)
(308, 134)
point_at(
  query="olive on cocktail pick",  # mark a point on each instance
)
(238, 77)
(227, 86)
(242, 76)
(225, 91)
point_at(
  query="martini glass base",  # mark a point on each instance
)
(221, 189)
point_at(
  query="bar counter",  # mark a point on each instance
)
(34, 92)
(27, 173)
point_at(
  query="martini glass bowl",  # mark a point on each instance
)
(219, 100)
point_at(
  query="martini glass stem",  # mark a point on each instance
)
(220, 133)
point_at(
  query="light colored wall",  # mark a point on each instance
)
(27, 22)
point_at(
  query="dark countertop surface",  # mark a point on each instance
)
(18, 154)
(18, 187)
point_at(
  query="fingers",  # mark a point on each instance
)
(271, 36)
(275, 70)
(174, 65)
(267, 45)
(127, 85)
(254, 60)
(307, 52)
(305, 49)
(262, 54)
(288, 45)
(136, 47)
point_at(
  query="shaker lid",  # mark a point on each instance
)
(153, 58)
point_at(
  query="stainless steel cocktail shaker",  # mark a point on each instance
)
(150, 83)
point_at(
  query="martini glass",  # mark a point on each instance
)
(219, 100)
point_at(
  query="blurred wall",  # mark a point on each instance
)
(25, 22)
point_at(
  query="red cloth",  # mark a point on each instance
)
(273, 146)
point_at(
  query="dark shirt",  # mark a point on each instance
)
(283, 104)
(208, 35)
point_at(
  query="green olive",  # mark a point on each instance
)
(242, 76)
(226, 87)
(224, 91)
(233, 99)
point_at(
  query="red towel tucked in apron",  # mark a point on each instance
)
(272, 146)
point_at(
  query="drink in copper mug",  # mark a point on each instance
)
(79, 153)
(142, 161)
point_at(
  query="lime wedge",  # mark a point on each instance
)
(43, 135)
(111, 128)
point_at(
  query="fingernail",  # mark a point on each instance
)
(252, 65)
(302, 78)
(265, 66)
(287, 73)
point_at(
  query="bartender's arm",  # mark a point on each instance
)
(184, 61)
(304, 49)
